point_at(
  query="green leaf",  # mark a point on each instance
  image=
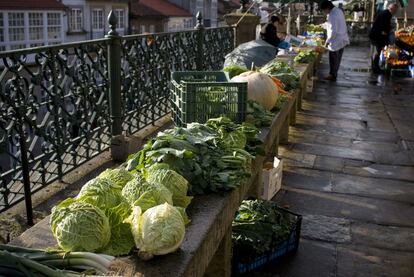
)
(121, 241)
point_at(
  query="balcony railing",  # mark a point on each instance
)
(61, 105)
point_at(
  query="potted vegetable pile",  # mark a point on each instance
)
(262, 232)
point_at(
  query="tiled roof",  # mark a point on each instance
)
(31, 4)
(157, 8)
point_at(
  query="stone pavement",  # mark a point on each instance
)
(349, 170)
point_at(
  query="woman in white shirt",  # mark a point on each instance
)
(337, 37)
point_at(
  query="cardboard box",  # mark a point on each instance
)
(271, 178)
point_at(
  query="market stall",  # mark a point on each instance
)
(206, 245)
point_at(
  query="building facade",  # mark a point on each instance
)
(87, 19)
(22, 26)
(155, 16)
(207, 7)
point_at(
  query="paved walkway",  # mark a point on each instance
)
(350, 172)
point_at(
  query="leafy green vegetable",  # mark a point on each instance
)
(138, 192)
(159, 230)
(259, 226)
(282, 71)
(119, 176)
(290, 80)
(280, 101)
(275, 67)
(174, 182)
(257, 115)
(208, 155)
(235, 70)
(101, 193)
(79, 226)
(121, 241)
(306, 56)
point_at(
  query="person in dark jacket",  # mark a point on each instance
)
(380, 33)
(269, 31)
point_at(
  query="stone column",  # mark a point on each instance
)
(246, 26)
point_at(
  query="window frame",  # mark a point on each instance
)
(102, 24)
(75, 14)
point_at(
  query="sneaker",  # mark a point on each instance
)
(330, 78)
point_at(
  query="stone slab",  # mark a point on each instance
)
(404, 173)
(325, 228)
(376, 211)
(362, 262)
(378, 136)
(329, 163)
(372, 146)
(307, 179)
(384, 237)
(333, 151)
(373, 187)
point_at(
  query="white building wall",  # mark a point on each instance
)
(88, 7)
(26, 42)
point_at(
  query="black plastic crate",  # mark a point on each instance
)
(242, 264)
(198, 96)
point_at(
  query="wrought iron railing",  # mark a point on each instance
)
(61, 105)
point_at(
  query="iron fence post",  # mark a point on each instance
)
(114, 70)
(200, 42)
(25, 173)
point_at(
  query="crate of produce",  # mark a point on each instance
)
(277, 235)
(198, 96)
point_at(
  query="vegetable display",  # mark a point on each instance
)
(259, 227)
(282, 71)
(306, 56)
(210, 156)
(142, 204)
(311, 28)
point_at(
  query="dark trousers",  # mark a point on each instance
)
(375, 59)
(335, 58)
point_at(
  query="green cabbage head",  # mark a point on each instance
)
(119, 176)
(177, 184)
(79, 226)
(159, 230)
(137, 192)
(101, 193)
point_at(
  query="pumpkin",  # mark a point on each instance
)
(260, 88)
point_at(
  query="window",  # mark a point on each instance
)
(75, 19)
(97, 19)
(152, 29)
(54, 26)
(16, 26)
(1, 28)
(188, 23)
(120, 15)
(36, 44)
(36, 26)
(142, 29)
(17, 46)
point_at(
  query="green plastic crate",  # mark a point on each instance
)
(198, 96)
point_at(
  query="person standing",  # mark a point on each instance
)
(337, 37)
(269, 31)
(380, 33)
